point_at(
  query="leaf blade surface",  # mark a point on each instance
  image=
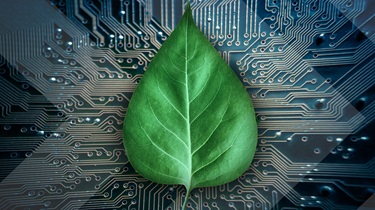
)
(190, 120)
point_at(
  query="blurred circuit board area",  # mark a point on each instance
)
(68, 70)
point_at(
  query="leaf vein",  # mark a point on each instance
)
(174, 107)
(163, 150)
(221, 154)
(202, 65)
(200, 91)
(231, 146)
(213, 131)
(188, 184)
(209, 137)
(157, 119)
(217, 92)
(174, 65)
(166, 71)
(166, 175)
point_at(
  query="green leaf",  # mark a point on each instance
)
(190, 121)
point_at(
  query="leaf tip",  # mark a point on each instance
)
(188, 7)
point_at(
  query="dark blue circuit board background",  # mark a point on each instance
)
(68, 70)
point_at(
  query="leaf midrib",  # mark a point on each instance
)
(190, 166)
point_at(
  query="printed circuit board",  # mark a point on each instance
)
(68, 70)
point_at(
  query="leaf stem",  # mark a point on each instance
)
(188, 190)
